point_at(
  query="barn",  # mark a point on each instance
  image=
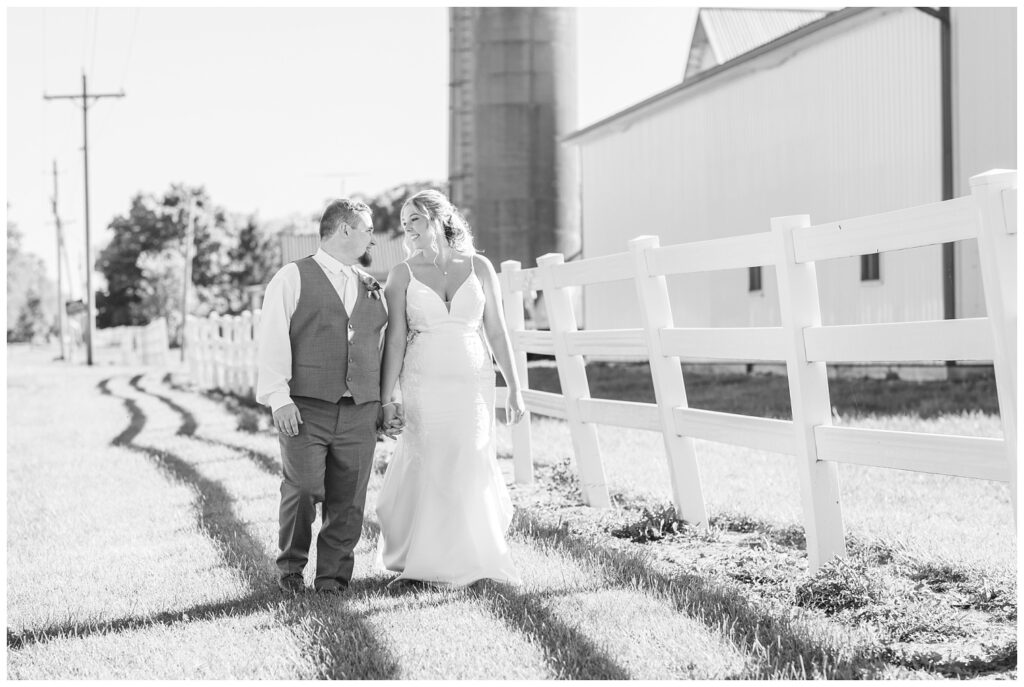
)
(846, 113)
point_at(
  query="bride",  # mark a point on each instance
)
(443, 507)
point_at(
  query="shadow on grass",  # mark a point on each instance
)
(569, 653)
(779, 648)
(208, 611)
(266, 462)
(339, 643)
(354, 653)
(263, 461)
(215, 516)
(239, 406)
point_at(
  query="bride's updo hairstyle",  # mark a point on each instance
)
(436, 206)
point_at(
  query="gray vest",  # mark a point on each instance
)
(331, 352)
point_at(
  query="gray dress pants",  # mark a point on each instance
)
(328, 461)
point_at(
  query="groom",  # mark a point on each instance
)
(319, 371)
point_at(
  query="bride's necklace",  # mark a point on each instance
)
(442, 271)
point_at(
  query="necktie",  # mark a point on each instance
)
(350, 289)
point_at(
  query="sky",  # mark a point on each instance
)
(273, 110)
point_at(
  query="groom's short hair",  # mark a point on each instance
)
(341, 210)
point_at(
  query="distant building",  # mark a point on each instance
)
(840, 117)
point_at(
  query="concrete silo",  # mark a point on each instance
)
(512, 96)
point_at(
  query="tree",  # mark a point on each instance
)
(155, 224)
(151, 224)
(254, 257)
(32, 320)
(31, 312)
(160, 289)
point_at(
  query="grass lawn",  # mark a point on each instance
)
(142, 527)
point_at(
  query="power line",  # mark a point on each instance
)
(63, 145)
(131, 44)
(104, 124)
(95, 32)
(42, 62)
(85, 35)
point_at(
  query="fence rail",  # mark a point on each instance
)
(137, 345)
(223, 353)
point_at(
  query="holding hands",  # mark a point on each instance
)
(390, 422)
(392, 419)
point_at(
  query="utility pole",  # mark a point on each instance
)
(61, 314)
(90, 296)
(187, 280)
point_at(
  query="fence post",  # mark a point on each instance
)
(669, 389)
(165, 342)
(138, 351)
(997, 249)
(192, 335)
(227, 337)
(800, 308)
(128, 353)
(512, 302)
(251, 325)
(234, 356)
(201, 351)
(245, 364)
(154, 342)
(572, 374)
(209, 353)
(218, 325)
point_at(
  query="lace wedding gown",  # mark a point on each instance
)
(443, 507)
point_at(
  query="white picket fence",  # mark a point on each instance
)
(223, 353)
(135, 345)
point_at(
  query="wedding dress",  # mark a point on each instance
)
(443, 507)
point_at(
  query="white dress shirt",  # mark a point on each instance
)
(274, 351)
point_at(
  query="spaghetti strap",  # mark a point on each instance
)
(408, 267)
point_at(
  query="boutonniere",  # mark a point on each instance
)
(373, 288)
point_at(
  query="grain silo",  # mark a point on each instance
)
(512, 96)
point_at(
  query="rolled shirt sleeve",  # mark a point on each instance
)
(274, 350)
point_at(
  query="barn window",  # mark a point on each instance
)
(754, 279)
(870, 267)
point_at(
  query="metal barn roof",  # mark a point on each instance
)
(732, 32)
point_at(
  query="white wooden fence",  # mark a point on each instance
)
(223, 353)
(792, 246)
(137, 345)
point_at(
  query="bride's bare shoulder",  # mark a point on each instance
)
(400, 273)
(480, 262)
